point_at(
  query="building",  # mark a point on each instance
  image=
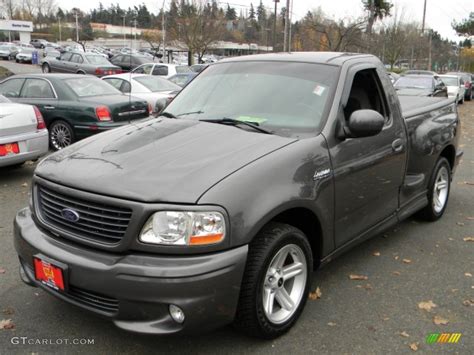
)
(17, 30)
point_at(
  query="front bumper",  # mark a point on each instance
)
(135, 290)
(32, 146)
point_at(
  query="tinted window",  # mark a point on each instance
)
(140, 60)
(182, 69)
(450, 80)
(66, 56)
(143, 69)
(116, 83)
(155, 84)
(160, 70)
(37, 89)
(76, 58)
(97, 60)
(288, 98)
(90, 87)
(12, 87)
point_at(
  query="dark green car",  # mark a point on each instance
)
(74, 106)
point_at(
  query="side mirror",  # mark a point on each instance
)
(364, 123)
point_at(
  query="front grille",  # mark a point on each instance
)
(97, 221)
(97, 301)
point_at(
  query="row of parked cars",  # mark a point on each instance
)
(458, 85)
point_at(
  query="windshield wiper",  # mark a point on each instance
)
(168, 114)
(234, 122)
(190, 113)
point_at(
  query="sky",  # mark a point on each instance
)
(439, 13)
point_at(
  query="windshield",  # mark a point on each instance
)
(83, 87)
(450, 80)
(415, 82)
(27, 50)
(97, 59)
(155, 84)
(287, 98)
(4, 48)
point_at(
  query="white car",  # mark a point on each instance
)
(455, 86)
(25, 55)
(157, 91)
(161, 69)
(23, 133)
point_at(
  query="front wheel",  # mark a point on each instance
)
(438, 192)
(46, 68)
(276, 281)
(61, 135)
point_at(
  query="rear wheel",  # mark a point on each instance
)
(276, 281)
(46, 68)
(61, 135)
(438, 192)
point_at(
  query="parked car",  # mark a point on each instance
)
(182, 79)
(197, 68)
(220, 212)
(74, 106)
(50, 51)
(420, 85)
(419, 72)
(80, 63)
(8, 51)
(161, 69)
(468, 84)
(128, 62)
(23, 133)
(158, 92)
(39, 43)
(455, 85)
(25, 55)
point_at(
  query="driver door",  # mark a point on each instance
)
(368, 172)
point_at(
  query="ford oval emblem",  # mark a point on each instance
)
(70, 215)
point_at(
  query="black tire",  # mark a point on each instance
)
(46, 68)
(469, 97)
(251, 317)
(432, 212)
(59, 142)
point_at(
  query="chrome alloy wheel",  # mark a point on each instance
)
(284, 283)
(60, 136)
(440, 190)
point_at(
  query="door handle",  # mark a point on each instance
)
(397, 145)
(48, 107)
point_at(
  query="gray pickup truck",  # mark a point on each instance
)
(262, 169)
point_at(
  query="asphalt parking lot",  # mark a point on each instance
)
(18, 68)
(405, 268)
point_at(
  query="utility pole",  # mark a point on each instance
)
(275, 24)
(123, 30)
(424, 18)
(429, 53)
(59, 26)
(287, 19)
(163, 33)
(289, 30)
(77, 26)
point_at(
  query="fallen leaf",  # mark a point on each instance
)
(358, 277)
(413, 346)
(451, 239)
(459, 223)
(469, 239)
(470, 218)
(407, 261)
(367, 287)
(386, 318)
(24, 184)
(331, 324)
(397, 273)
(316, 294)
(468, 302)
(8, 311)
(454, 290)
(397, 257)
(438, 320)
(6, 324)
(468, 274)
(404, 334)
(2, 270)
(427, 305)
(376, 253)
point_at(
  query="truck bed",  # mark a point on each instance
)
(414, 105)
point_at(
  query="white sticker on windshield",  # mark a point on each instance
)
(319, 90)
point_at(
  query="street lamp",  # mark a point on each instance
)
(123, 30)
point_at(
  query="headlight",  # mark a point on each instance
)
(183, 228)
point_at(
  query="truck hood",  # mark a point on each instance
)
(158, 160)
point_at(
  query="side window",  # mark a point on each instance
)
(366, 94)
(160, 70)
(76, 58)
(461, 83)
(11, 88)
(144, 69)
(118, 59)
(116, 83)
(66, 56)
(37, 89)
(126, 87)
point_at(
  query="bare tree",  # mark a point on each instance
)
(340, 36)
(197, 27)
